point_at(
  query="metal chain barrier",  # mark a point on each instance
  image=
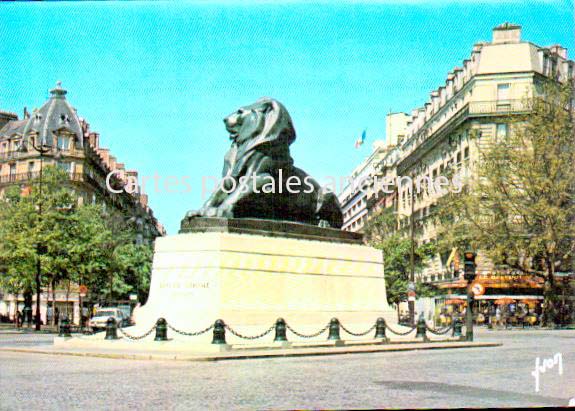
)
(399, 333)
(324, 329)
(190, 334)
(358, 334)
(250, 337)
(133, 337)
(439, 332)
(270, 329)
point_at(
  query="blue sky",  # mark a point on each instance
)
(155, 79)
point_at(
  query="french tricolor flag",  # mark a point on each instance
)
(360, 140)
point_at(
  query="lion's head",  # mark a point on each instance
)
(265, 121)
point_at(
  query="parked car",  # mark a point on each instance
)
(98, 321)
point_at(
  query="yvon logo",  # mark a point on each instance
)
(547, 364)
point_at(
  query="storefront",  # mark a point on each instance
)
(511, 298)
(51, 306)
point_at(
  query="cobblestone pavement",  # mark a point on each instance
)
(471, 377)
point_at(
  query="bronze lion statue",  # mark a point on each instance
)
(259, 179)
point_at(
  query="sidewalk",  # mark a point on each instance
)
(239, 353)
(10, 329)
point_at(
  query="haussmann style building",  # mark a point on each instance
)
(76, 149)
(479, 98)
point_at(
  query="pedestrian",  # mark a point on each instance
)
(18, 318)
(498, 316)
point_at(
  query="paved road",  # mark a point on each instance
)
(10, 338)
(478, 377)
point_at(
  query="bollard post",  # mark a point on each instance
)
(380, 329)
(421, 328)
(161, 330)
(219, 332)
(111, 329)
(64, 327)
(457, 324)
(334, 330)
(280, 330)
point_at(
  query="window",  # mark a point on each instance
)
(466, 153)
(12, 172)
(30, 167)
(63, 142)
(503, 91)
(66, 166)
(501, 132)
(553, 73)
(545, 64)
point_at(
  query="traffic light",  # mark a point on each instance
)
(469, 265)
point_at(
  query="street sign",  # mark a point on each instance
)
(478, 289)
(83, 290)
(411, 298)
(133, 297)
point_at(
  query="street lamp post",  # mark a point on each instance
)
(411, 287)
(469, 275)
(40, 248)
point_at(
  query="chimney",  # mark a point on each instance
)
(560, 51)
(94, 139)
(104, 154)
(6, 116)
(506, 33)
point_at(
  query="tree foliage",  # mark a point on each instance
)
(84, 244)
(381, 233)
(518, 206)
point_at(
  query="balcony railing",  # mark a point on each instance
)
(21, 177)
(16, 154)
(498, 107)
(433, 131)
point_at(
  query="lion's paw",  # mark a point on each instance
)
(225, 212)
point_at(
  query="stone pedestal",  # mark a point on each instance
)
(249, 277)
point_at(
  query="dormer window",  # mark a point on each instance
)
(63, 142)
(64, 118)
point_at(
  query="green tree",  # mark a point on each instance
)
(381, 233)
(83, 244)
(518, 205)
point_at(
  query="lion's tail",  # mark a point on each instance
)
(328, 209)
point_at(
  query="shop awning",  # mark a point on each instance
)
(455, 301)
(494, 297)
(499, 281)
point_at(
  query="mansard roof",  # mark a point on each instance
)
(53, 117)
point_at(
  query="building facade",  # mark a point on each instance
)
(445, 136)
(68, 143)
(478, 99)
(360, 194)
